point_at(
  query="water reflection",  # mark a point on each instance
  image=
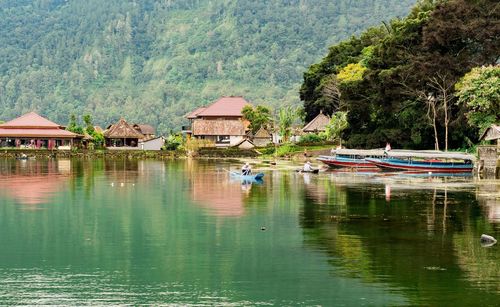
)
(401, 229)
(184, 233)
(32, 182)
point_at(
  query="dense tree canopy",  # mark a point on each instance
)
(397, 80)
(153, 61)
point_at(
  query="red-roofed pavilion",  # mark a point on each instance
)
(34, 131)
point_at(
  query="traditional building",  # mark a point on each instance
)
(34, 131)
(122, 135)
(262, 138)
(147, 130)
(317, 124)
(221, 122)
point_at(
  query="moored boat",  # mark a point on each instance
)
(425, 161)
(351, 158)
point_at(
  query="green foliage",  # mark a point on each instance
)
(259, 116)
(286, 116)
(286, 149)
(338, 123)
(73, 126)
(312, 138)
(479, 91)
(397, 65)
(351, 73)
(173, 142)
(153, 61)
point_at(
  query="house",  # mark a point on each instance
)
(122, 135)
(152, 144)
(221, 122)
(34, 131)
(317, 124)
(262, 138)
(245, 144)
(147, 130)
(491, 133)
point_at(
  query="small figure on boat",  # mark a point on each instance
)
(307, 167)
(246, 169)
(387, 147)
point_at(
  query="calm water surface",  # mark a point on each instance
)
(183, 233)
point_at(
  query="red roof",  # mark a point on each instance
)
(32, 125)
(30, 120)
(225, 106)
(37, 133)
(194, 114)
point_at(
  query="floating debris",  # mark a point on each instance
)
(434, 268)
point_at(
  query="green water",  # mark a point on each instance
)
(184, 233)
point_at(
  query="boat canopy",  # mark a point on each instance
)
(359, 152)
(430, 154)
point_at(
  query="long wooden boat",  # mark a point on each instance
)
(257, 176)
(425, 161)
(351, 158)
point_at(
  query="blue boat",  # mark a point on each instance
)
(255, 177)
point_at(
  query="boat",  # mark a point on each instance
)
(425, 161)
(314, 171)
(256, 177)
(352, 158)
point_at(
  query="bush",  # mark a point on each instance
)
(312, 138)
(173, 142)
(286, 149)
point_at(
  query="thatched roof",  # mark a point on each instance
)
(144, 129)
(218, 127)
(122, 130)
(262, 133)
(318, 123)
(491, 133)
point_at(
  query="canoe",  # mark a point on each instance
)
(314, 171)
(257, 176)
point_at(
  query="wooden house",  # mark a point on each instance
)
(317, 124)
(221, 122)
(492, 133)
(34, 131)
(122, 135)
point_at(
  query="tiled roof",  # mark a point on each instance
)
(36, 133)
(30, 120)
(194, 114)
(122, 130)
(218, 127)
(318, 123)
(225, 106)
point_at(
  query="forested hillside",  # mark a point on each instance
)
(152, 61)
(428, 80)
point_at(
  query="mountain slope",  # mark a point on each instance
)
(152, 61)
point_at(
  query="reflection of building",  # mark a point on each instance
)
(34, 182)
(215, 192)
(33, 131)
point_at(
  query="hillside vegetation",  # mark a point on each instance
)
(153, 61)
(430, 80)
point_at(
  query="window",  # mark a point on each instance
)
(222, 139)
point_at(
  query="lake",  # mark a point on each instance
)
(112, 232)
